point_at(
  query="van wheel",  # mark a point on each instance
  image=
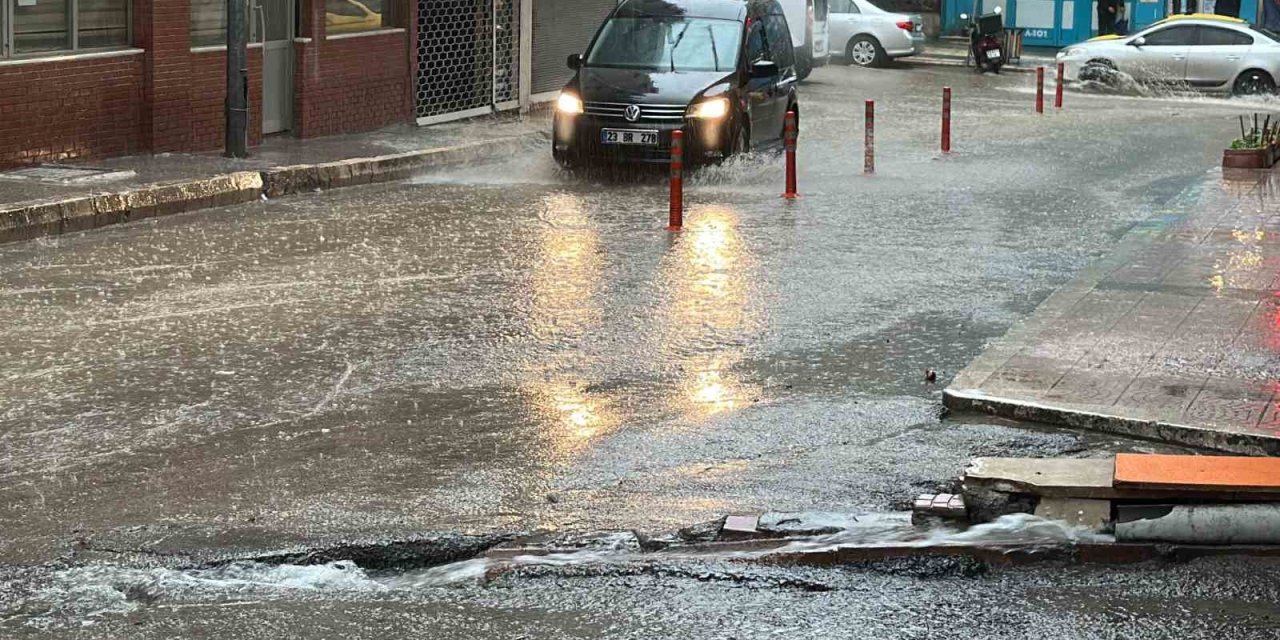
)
(1253, 83)
(865, 51)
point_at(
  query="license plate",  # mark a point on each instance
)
(628, 136)
(993, 54)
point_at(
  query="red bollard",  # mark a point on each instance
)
(869, 143)
(946, 119)
(675, 217)
(1039, 89)
(789, 143)
(1057, 91)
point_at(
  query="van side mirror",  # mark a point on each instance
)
(764, 69)
(574, 61)
(1138, 41)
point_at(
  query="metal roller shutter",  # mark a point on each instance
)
(561, 28)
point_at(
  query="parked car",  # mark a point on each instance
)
(721, 71)
(810, 33)
(1207, 52)
(869, 36)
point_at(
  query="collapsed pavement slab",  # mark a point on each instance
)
(999, 486)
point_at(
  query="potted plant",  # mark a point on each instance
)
(1256, 148)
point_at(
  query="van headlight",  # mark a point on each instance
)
(568, 103)
(710, 109)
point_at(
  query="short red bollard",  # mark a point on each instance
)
(675, 217)
(1039, 89)
(1057, 90)
(869, 142)
(790, 133)
(946, 119)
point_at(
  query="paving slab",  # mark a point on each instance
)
(1091, 478)
(1228, 473)
(1054, 477)
(1174, 336)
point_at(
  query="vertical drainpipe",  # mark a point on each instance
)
(526, 53)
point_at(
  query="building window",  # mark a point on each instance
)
(208, 23)
(33, 27)
(353, 16)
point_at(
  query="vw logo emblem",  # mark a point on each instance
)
(631, 113)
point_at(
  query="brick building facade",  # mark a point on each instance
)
(349, 68)
(85, 79)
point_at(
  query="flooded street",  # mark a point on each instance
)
(502, 347)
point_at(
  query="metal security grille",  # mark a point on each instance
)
(468, 57)
(561, 28)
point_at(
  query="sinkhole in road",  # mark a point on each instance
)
(78, 595)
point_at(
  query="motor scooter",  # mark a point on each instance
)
(985, 41)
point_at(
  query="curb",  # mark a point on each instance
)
(27, 220)
(288, 180)
(946, 61)
(1242, 443)
(34, 219)
(1014, 555)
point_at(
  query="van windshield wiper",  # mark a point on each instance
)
(715, 56)
(677, 43)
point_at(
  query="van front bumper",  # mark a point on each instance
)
(577, 139)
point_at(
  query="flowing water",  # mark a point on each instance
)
(82, 594)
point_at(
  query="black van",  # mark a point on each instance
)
(721, 70)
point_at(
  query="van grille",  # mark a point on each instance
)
(648, 112)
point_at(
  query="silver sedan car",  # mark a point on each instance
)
(1206, 52)
(869, 36)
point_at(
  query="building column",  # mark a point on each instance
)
(163, 29)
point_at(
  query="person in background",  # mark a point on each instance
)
(1107, 10)
(1178, 5)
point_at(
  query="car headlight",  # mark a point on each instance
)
(1073, 52)
(710, 109)
(568, 103)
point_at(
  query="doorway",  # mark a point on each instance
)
(276, 19)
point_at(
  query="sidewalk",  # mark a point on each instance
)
(954, 52)
(1175, 336)
(73, 196)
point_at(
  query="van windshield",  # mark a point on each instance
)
(668, 43)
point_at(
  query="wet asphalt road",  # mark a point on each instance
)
(503, 347)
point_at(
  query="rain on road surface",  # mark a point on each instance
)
(502, 347)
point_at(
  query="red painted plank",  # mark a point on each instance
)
(1197, 472)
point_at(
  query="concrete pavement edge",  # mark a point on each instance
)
(947, 61)
(33, 219)
(1241, 443)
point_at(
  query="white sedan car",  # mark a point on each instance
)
(869, 36)
(1206, 52)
